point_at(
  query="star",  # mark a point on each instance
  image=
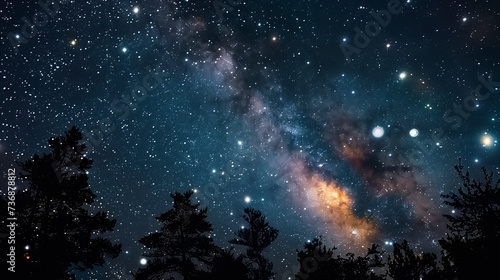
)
(414, 132)
(486, 140)
(247, 199)
(402, 76)
(378, 132)
(124, 50)
(73, 42)
(136, 10)
(143, 261)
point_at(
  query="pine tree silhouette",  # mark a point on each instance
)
(258, 236)
(54, 223)
(472, 244)
(404, 264)
(182, 246)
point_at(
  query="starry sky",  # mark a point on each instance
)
(335, 118)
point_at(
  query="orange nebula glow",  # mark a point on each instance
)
(332, 204)
(336, 206)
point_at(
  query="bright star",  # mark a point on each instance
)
(378, 131)
(487, 140)
(247, 199)
(124, 50)
(402, 76)
(136, 10)
(144, 261)
(414, 132)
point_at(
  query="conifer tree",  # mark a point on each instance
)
(256, 237)
(472, 243)
(57, 233)
(181, 246)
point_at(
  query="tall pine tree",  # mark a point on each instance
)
(57, 233)
(404, 264)
(472, 244)
(257, 236)
(182, 246)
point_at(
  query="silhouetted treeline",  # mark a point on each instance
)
(57, 234)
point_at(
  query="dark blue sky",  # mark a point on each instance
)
(258, 105)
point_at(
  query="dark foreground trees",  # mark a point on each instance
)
(405, 264)
(256, 237)
(225, 265)
(182, 249)
(472, 245)
(318, 263)
(182, 246)
(56, 233)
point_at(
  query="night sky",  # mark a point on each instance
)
(335, 118)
